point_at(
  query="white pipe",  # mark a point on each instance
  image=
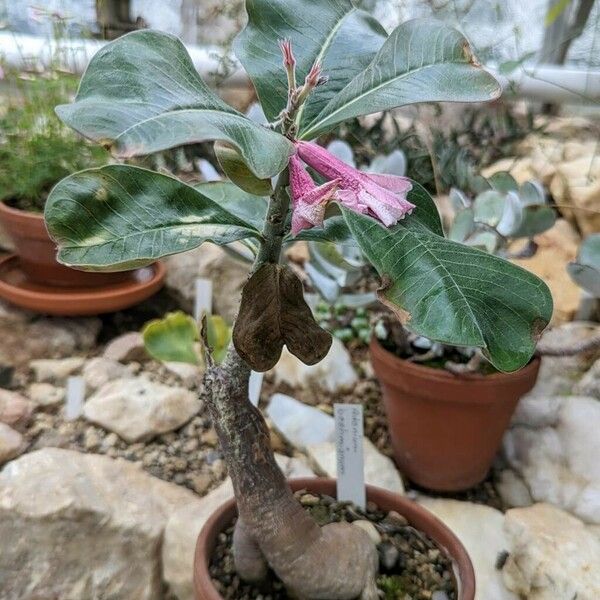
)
(25, 51)
(545, 83)
(552, 84)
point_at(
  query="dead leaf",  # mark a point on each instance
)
(272, 313)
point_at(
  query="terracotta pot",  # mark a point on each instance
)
(37, 252)
(446, 429)
(416, 515)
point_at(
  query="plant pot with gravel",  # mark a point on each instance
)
(418, 555)
(159, 101)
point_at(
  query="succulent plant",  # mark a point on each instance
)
(585, 271)
(500, 214)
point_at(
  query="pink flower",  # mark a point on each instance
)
(308, 200)
(380, 196)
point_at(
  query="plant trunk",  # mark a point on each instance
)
(335, 562)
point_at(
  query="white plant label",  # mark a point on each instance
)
(203, 303)
(255, 386)
(75, 398)
(349, 453)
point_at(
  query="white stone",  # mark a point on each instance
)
(77, 526)
(15, 410)
(380, 470)
(138, 409)
(185, 524)
(46, 394)
(11, 444)
(369, 529)
(47, 370)
(126, 347)
(557, 456)
(99, 371)
(513, 490)
(334, 373)
(301, 425)
(553, 555)
(190, 375)
(481, 530)
(589, 385)
(558, 375)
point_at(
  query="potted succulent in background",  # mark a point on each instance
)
(158, 101)
(36, 151)
(585, 272)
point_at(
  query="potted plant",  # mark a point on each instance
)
(140, 94)
(36, 151)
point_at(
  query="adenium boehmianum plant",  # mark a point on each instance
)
(141, 94)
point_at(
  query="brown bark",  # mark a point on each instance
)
(336, 562)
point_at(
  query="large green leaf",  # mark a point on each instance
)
(456, 294)
(422, 61)
(341, 37)
(248, 207)
(120, 217)
(141, 94)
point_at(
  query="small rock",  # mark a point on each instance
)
(388, 554)
(55, 370)
(209, 438)
(100, 370)
(309, 500)
(138, 409)
(91, 439)
(111, 440)
(200, 483)
(126, 348)
(380, 470)
(553, 555)
(46, 394)
(299, 424)
(393, 522)
(15, 410)
(512, 490)
(11, 443)
(334, 373)
(369, 529)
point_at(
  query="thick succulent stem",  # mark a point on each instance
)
(335, 562)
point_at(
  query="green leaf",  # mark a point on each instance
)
(141, 94)
(422, 61)
(342, 37)
(218, 336)
(120, 217)
(249, 208)
(455, 294)
(503, 181)
(172, 339)
(555, 11)
(235, 168)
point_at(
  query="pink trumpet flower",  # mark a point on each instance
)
(309, 201)
(380, 196)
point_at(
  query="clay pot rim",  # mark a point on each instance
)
(20, 214)
(443, 536)
(441, 375)
(106, 292)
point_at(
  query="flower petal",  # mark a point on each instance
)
(394, 183)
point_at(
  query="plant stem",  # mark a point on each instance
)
(337, 561)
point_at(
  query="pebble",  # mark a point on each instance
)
(46, 394)
(370, 529)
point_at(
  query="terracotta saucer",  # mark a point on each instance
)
(17, 289)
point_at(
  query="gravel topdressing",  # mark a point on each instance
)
(411, 565)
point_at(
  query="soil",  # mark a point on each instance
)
(412, 567)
